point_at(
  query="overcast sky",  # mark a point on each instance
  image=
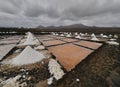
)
(31, 13)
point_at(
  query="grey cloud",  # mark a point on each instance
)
(10, 6)
(91, 8)
(34, 11)
(59, 12)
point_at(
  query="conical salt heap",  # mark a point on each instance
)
(94, 38)
(93, 35)
(31, 40)
(68, 35)
(78, 37)
(82, 34)
(62, 35)
(105, 36)
(27, 56)
(76, 33)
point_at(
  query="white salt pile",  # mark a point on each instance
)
(65, 33)
(23, 40)
(57, 34)
(50, 81)
(53, 33)
(82, 34)
(76, 33)
(27, 56)
(110, 35)
(41, 47)
(112, 39)
(94, 38)
(62, 35)
(68, 35)
(105, 36)
(113, 43)
(55, 69)
(78, 37)
(101, 35)
(31, 40)
(77, 80)
(92, 35)
(115, 36)
(86, 33)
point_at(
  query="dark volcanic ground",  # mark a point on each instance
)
(101, 69)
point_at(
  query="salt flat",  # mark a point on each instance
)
(4, 49)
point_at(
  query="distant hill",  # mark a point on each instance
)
(68, 26)
(40, 26)
(79, 28)
(77, 25)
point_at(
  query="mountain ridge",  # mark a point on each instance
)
(66, 26)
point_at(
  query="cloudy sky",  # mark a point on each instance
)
(31, 13)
